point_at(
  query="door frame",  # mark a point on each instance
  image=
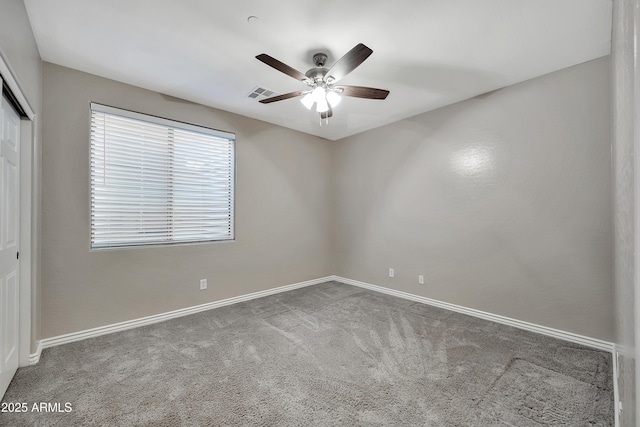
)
(28, 216)
(636, 206)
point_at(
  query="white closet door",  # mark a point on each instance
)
(9, 238)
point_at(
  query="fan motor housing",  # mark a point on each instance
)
(316, 74)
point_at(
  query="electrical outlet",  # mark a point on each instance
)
(203, 284)
(392, 273)
(420, 279)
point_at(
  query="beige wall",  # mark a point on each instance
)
(502, 202)
(282, 214)
(19, 50)
(624, 118)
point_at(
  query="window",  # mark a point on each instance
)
(156, 181)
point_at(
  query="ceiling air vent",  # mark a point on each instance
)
(258, 93)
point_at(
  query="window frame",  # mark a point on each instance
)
(169, 124)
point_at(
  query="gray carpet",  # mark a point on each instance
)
(325, 355)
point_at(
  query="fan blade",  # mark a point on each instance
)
(282, 67)
(363, 92)
(282, 97)
(326, 114)
(349, 62)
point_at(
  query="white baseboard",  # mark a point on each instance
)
(135, 323)
(35, 357)
(130, 324)
(616, 391)
(544, 330)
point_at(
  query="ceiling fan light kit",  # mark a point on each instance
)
(333, 98)
(323, 96)
(321, 80)
(308, 101)
(322, 105)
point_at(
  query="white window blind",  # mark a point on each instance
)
(155, 181)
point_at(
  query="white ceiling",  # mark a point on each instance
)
(428, 53)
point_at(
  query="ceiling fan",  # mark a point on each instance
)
(323, 90)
